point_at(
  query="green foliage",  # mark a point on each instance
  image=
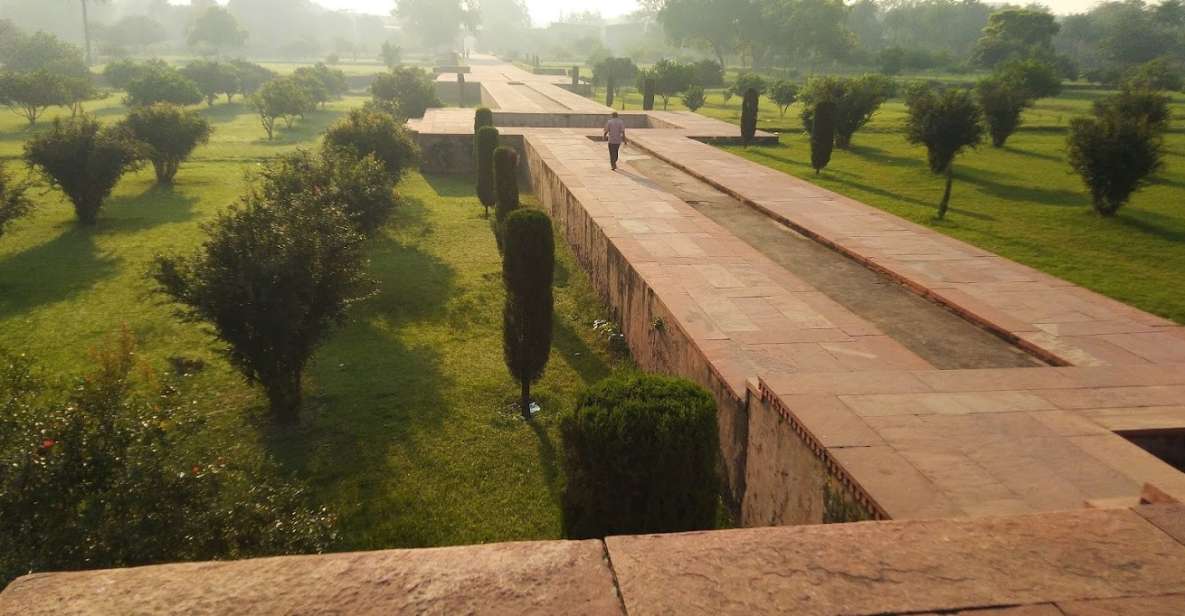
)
(749, 110)
(946, 123)
(1036, 78)
(483, 116)
(641, 455)
(321, 83)
(856, 100)
(84, 160)
(406, 91)
(105, 472)
(707, 74)
(1147, 106)
(528, 271)
(213, 79)
(648, 89)
(333, 179)
(277, 273)
(486, 144)
(506, 198)
(281, 99)
(822, 135)
(170, 134)
(121, 73)
(390, 55)
(252, 77)
(670, 78)
(13, 200)
(613, 73)
(1016, 33)
(1115, 154)
(748, 81)
(1157, 74)
(694, 98)
(370, 132)
(1002, 101)
(163, 84)
(216, 28)
(783, 93)
(31, 94)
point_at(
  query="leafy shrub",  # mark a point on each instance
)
(13, 202)
(390, 55)
(528, 269)
(641, 454)
(104, 472)
(749, 81)
(856, 100)
(1038, 79)
(1147, 106)
(31, 94)
(783, 93)
(213, 79)
(1002, 100)
(366, 132)
(1158, 74)
(1115, 154)
(707, 74)
(274, 277)
(281, 99)
(84, 160)
(170, 133)
(334, 179)
(163, 85)
(251, 76)
(406, 91)
(487, 142)
(321, 83)
(946, 123)
(693, 98)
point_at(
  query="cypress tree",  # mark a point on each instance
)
(505, 188)
(749, 116)
(487, 142)
(482, 117)
(610, 83)
(528, 269)
(461, 89)
(575, 76)
(822, 135)
(648, 94)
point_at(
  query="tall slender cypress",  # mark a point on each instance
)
(648, 94)
(505, 188)
(822, 135)
(610, 84)
(482, 117)
(528, 270)
(487, 142)
(749, 115)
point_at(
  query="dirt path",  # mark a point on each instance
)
(940, 336)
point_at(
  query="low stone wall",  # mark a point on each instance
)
(453, 154)
(650, 329)
(569, 120)
(449, 93)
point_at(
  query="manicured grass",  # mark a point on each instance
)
(1021, 201)
(407, 432)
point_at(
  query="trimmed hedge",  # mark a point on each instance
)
(641, 454)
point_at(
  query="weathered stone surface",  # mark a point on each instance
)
(511, 578)
(1167, 605)
(1168, 518)
(916, 566)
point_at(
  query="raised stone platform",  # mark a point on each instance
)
(1129, 561)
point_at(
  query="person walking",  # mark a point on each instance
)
(615, 135)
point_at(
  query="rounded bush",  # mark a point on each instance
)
(641, 455)
(371, 132)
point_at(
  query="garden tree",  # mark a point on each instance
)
(707, 73)
(13, 202)
(92, 474)
(170, 134)
(121, 73)
(1158, 74)
(640, 455)
(1002, 101)
(1016, 33)
(372, 132)
(810, 29)
(163, 85)
(783, 93)
(438, 23)
(273, 278)
(946, 123)
(1115, 155)
(218, 29)
(251, 77)
(31, 94)
(647, 86)
(1147, 106)
(710, 24)
(938, 26)
(505, 25)
(693, 98)
(25, 53)
(528, 269)
(136, 31)
(84, 160)
(483, 116)
(613, 73)
(78, 89)
(334, 178)
(321, 83)
(390, 55)
(213, 79)
(748, 81)
(505, 189)
(486, 144)
(671, 78)
(280, 99)
(1038, 79)
(856, 100)
(822, 135)
(406, 91)
(749, 108)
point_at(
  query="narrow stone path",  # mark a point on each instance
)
(938, 335)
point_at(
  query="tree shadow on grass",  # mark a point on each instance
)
(223, 113)
(158, 205)
(52, 272)
(1154, 224)
(882, 157)
(548, 461)
(460, 186)
(1059, 197)
(1030, 154)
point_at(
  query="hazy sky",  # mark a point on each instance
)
(544, 12)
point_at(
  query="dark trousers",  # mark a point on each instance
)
(614, 153)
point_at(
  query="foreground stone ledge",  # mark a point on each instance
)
(554, 577)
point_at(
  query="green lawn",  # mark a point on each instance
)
(1021, 201)
(407, 432)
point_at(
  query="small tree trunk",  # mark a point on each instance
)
(942, 207)
(88, 214)
(526, 399)
(284, 397)
(843, 141)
